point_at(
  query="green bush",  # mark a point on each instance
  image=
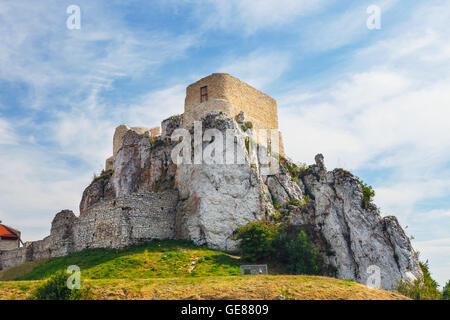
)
(275, 203)
(271, 242)
(247, 126)
(156, 142)
(295, 202)
(368, 194)
(103, 175)
(306, 200)
(56, 288)
(301, 255)
(287, 294)
(423, 288)
(256, 240)
(446, 291)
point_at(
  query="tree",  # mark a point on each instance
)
(423, 288)
(368, 194)
(265, 241)
(301, 255)
(256, 240)
(446, 291)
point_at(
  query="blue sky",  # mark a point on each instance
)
(372, 101)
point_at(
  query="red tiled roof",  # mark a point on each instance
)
(6, 232)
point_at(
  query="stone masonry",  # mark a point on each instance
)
(114, 223)
(231, 96)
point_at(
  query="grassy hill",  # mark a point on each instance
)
(177, 270)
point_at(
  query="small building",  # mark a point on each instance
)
(9, 238)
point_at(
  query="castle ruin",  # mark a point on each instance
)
(148, 196)
(218, 92)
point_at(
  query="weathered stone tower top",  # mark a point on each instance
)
(223, 92)
(218, 92)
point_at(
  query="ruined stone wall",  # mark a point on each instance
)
(114, 223)
(258, 107)
(155, 132)
(124, 221)
(12, 258)
(9, 244)
(123, 129)
(120, 132)
(201, 110)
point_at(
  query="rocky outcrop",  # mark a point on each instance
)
(99, 189)
(216, 198)
(356, 237)
(147, 196)
(142, 164)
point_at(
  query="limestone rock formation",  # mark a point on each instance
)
(144, 194)
(357, 238)
(216, 198)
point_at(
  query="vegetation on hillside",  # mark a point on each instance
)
(368, 194)
(173, 270)
(56, 288)
(446, 291)
(104, 174)
(423, 288)
(264, 241)
(216, 287)
(156, 259)
(180, 270)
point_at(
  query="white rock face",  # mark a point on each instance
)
(217, 198)
(360, 238)
(211, 200)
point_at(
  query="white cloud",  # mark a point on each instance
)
(253, 68)
(77, 61)
(390, 111)
(34, 186)
(150, 109)
(437, 251)
(67, 134)
(376, 113)
(250, 16)
(7, 134)
(388, 114)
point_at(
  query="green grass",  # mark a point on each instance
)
(268, 287)
(156, 259)
(16, 272)
(176, 270)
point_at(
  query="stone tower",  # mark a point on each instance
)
(216, 92)
(225, 93)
